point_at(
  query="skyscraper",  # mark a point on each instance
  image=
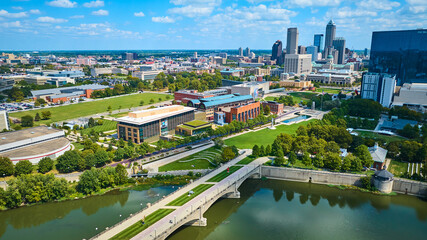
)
(301, 49)
(331, 29)
(276, 52)
(240, 52)
(292, 41)
(318, 42)
(313, 51)
(403, 53)
(247, 52)
(378, 87)
(339, 45)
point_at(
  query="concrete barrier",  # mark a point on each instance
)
(410, 187)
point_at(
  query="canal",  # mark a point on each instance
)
(267, 209)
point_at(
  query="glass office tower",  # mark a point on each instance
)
(318, 42)
(403, 53)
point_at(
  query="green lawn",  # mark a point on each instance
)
(298, 96)
(78, 146)
(247, 160)
(106, 126)
(397, 168)
(330, 90)
(220, 176)
(138, 227)
(378, 136)
(90, 108)
(198, 160)
(270, 98)
(263, 137)
(184, 198)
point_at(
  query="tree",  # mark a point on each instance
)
(362, 152)
(262, 151)
(121, 174)
(409, 131)
(101, 157)
(37, 117)
(318, 160)
(151, 101)
(306, 159)
(141, 103)
(219, 143)
(227, 154)
(332, 161)
(23, 167)
(91, 122)
(280, 158)
(292, 158)
(267, 150)
(27, 121)
(68, 162)
(109, 109)
(6, 167)
(45, 165)
(267, 110)
(46, 115)
(356, 165)
(89, 182)
(346, 162)
(255, 151)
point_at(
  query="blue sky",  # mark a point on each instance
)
(195, 24)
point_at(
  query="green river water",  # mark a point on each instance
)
(267, 209)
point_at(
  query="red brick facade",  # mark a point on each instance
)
(275, 107)
(243, 113)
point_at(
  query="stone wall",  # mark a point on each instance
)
(322, 177)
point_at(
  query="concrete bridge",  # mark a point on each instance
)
(191, 213)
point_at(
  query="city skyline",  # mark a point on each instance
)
(195, 24)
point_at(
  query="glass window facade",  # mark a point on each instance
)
(403, 53)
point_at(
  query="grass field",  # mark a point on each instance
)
(381, 137)
(198, 160)
(90, 108)
(270, 98)
(224, 174)
(330, 90)
(398, 168)
(184, 198)
(246, 160)
(138, 227)
(262, 137)
(78, 146)
(301, 96)
(106, 126)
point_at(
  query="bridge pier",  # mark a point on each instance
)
(232, 195)
(202, 222)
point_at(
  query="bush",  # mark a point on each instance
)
(45, 165)
(23, 167)
(367, 183)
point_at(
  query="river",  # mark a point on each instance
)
(267, 209)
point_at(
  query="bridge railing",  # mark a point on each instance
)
(183, 213)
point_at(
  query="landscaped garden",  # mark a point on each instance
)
(262, 137)
(138, 227)
(302, 96)
(184, 198)
(246, 160)
(72, 111)
(107, 125)
(200, 160)
(380, 137)
(220, 176)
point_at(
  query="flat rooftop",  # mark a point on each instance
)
(15, 136)
(150, 114)
(37, 149)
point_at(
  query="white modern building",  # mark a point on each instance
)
(146, 75)
(297, 63)
(378, 87)
(4, 121)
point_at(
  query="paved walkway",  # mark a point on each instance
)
(163, 202)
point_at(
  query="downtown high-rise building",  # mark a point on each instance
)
(240, 52)
(292, 41)
(312, 50)
(247, 52)
(276, 52)
(403, 53)
(378, 87)
(339, 45)
(301, 49)
(331, 29)
(318, 42)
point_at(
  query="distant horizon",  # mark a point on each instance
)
(94, 50)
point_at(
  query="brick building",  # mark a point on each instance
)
(242, 112)
(275, 107)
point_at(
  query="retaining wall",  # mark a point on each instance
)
(322, 177)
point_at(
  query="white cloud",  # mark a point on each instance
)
(100, 12)
(311, 3)
(11, 24)
(347, 12)
(77, 16)
(194, 8)
(62, 3)
(139, 14)
(35, 11)
(51, 20)
(4, 13)
(94, 4)
(17, 8)
(417, 6)
(377, 4)
(165, 19)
